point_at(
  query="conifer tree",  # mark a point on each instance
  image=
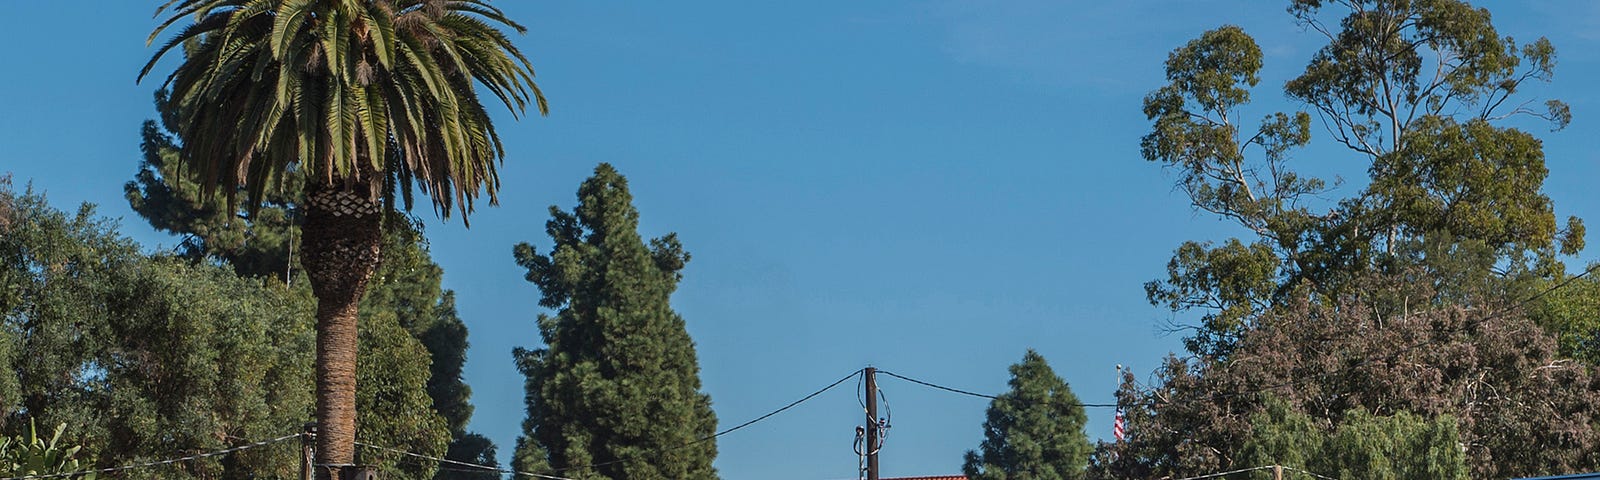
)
(1034, 431)
(617, 385)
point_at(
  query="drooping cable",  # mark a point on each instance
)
(884, 423)
(727, 430)
(1305, 472)
(980, 395)
(473, 467)
(1224, 474)
(159, 462)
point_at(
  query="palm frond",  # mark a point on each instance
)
(335, 89)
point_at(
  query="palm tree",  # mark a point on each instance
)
(367, 99)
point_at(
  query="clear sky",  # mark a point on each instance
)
(930, 187)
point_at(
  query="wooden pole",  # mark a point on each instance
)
(308, 451)
(872, 423)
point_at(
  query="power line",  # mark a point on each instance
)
(1558, 286)
(158, 463)
(940, 387)
(785, 407)
(1252, 469)
(1292, 469)
(980, 395)
(475, 467)
(1224, 474)
(432, 458)
(725, 431)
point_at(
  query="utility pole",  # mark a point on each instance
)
(308, 445)
(1277, 472)
(872, 423)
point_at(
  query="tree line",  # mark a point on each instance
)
(1421, 324)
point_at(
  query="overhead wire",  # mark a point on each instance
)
(882, 424)
(724, 431)
(861, 396)
(1224, 474)
(781, 410)
(937, 386)
(477, 467)
(980, 395)
(1252, 469)
(473, 467)
(1305, 472)
(156, 463)
(888, 418)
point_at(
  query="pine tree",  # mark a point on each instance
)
(617, 385)
(1034, 431)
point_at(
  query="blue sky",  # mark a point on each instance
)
(930, 187)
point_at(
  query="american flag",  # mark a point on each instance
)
(1117, 426)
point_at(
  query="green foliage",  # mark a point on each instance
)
(1450, 188)
(151, 357)
(1518, 409)
(1371, 309)
(406, 293)
(1194, 132)
(1034, 431)
(406, 290)
(31, 454)
(446, 341)
(155, 357)
(392, 407)
(1232, 283)
(1400, 446)
(359, 98)
(1378, 72)
(1279, 435)
(378, 91)
(1572, 313)
(256, 242)
(1472, 180)
(617, 385)
(471, 448)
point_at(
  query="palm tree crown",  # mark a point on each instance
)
(344, 90)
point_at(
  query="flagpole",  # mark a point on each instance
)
(1118, 428)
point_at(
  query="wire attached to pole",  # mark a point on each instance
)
(980, 395)
(725, 431)
(479, 468)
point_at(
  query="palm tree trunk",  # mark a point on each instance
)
(340, 246)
